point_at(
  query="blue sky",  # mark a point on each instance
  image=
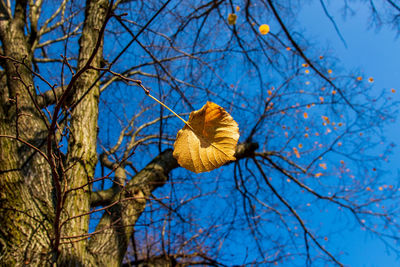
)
(375, 52)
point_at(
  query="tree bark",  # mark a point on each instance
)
(26, 202)
(82, 155)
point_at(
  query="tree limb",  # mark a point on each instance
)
(110, 245)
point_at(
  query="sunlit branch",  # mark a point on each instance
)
(5, 9)
(74, 32)
(60, 9)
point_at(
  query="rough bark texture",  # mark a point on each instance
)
(25, 181)
(82, 155)
(27, 193)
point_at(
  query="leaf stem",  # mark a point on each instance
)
(162, 104)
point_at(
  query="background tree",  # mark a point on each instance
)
(87, 172)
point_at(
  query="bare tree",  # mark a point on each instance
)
(87, 175)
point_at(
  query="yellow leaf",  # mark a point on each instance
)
(208, 140)
(325, 118)
(323, 165)
(264, 29)
(296, 152)
(232, 19)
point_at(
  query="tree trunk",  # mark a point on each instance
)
(82, 155)
(27, 196)
(26, 202)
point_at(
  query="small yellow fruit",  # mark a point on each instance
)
(264, 29)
